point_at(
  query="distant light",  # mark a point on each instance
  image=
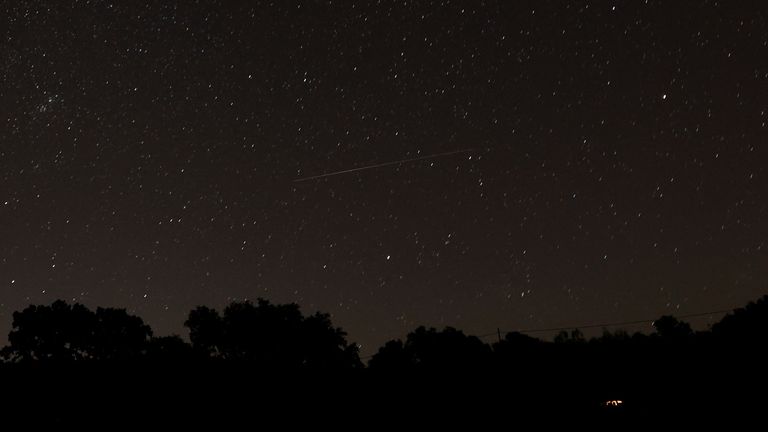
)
(664, 97)
(614, 402)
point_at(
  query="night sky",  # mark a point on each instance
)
(615, 162)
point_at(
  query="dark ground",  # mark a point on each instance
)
(204, 395)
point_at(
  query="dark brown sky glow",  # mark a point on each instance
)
(149, 152)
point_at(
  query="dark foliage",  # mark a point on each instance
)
(431, 349)
(65, 333)
(275, 336)
(69, 349)
(745, 325)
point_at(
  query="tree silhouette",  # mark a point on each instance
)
(270, 335)
(206, 330)
(514, 344)
(119, 336)
(280, 336)
(391, 356)
(325, 346)
(431, 349)
(59, 332)
(744, 325)
(575, 336)
(670, 328)
(169, 349)
(64, 333)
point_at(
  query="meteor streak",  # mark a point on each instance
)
(367, 167)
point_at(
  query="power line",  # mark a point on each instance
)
(610, 324)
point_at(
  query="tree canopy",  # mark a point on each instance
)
(270, 335)
(429, 348)
(62, 332)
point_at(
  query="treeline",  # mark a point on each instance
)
(279, 336)
(260, 361)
